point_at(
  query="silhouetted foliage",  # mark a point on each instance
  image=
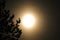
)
(8, 30)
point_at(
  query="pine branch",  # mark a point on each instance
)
(8, 30)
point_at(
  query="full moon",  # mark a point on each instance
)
(28, 20)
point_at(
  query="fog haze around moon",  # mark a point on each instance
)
(44, 20)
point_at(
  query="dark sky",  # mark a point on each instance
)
(50, 8)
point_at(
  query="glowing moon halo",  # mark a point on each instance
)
(28, 21)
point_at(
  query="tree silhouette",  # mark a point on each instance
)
(8, 30)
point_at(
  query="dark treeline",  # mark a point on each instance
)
(8, 30)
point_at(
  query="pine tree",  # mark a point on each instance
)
(8, 30)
